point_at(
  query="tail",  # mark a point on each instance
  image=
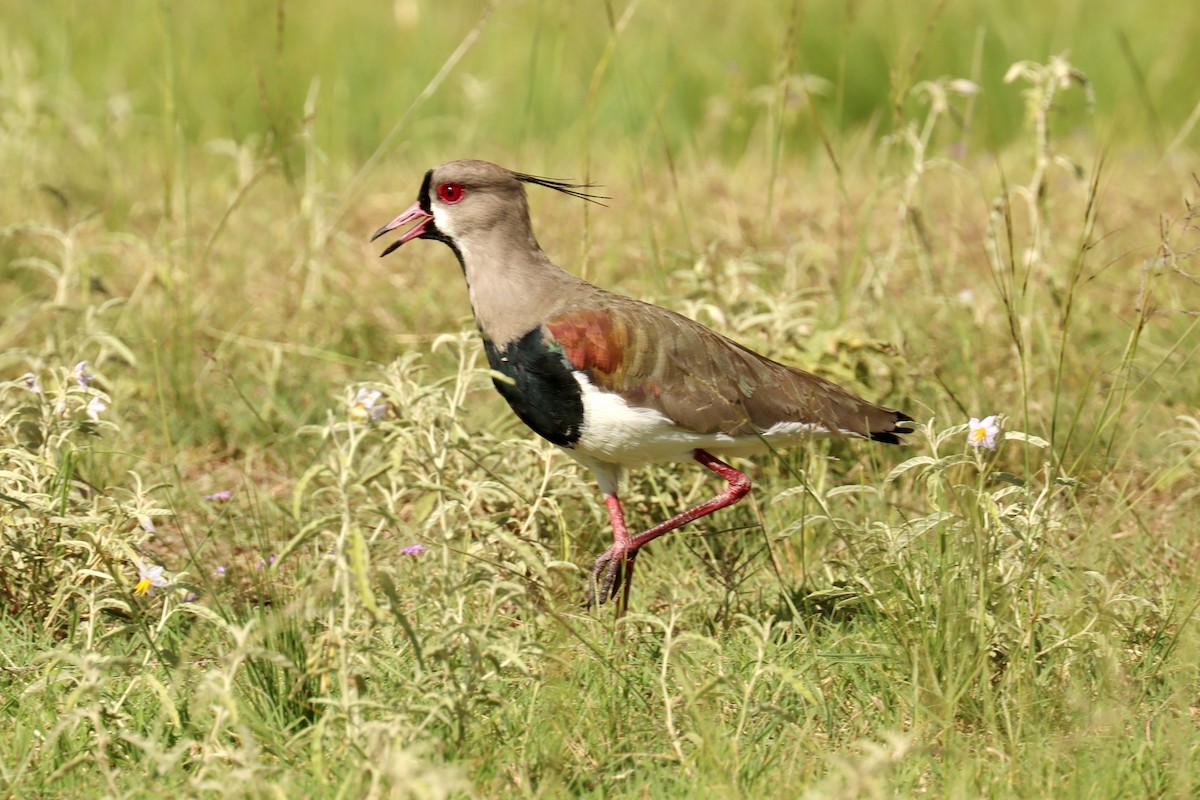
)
(891, 431)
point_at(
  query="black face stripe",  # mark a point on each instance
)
(439, 236)
(431, 231)
(543, 391)
(423, 198)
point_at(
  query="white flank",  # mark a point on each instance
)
(618, 433)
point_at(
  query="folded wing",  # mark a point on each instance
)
(701, 380)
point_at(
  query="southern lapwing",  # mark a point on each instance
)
(616, 382)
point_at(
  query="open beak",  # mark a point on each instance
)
(413, 214)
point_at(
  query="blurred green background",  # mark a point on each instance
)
(565, 77)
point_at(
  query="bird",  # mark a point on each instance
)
(615, 382)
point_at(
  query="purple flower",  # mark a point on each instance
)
(264, 564)
(219, 571)
(95, 408)
(82, 375)
(413, 550)
(191, 596)
(224, 494)
(31, 383)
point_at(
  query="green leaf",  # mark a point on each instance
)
(903, 467)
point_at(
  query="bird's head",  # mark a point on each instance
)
(463, 198)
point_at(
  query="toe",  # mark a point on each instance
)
(606, 576)
(612, 578)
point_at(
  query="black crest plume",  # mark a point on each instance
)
(566, 187)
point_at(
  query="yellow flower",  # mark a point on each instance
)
(367, 405)
(148, 578)
(983, 432)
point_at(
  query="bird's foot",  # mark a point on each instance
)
(608, 573)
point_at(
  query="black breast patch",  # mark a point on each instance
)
(543, 391)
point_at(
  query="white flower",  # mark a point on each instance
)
(1017, 70)
(95, 408)
(148, 578)
(82, 375)
(367, 406)
(963, 86)
(983, 432)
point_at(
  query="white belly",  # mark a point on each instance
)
(618, 433)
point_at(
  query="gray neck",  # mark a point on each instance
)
(513, 285)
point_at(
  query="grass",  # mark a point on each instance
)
(854, 189)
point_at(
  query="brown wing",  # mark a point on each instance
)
(701, 380)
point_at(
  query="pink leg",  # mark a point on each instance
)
(615, 567)
(622, 567)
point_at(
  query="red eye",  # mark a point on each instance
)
(451, 193)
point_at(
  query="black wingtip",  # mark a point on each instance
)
(893, 436)
(566, 187)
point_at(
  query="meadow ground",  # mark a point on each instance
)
(955, 209)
